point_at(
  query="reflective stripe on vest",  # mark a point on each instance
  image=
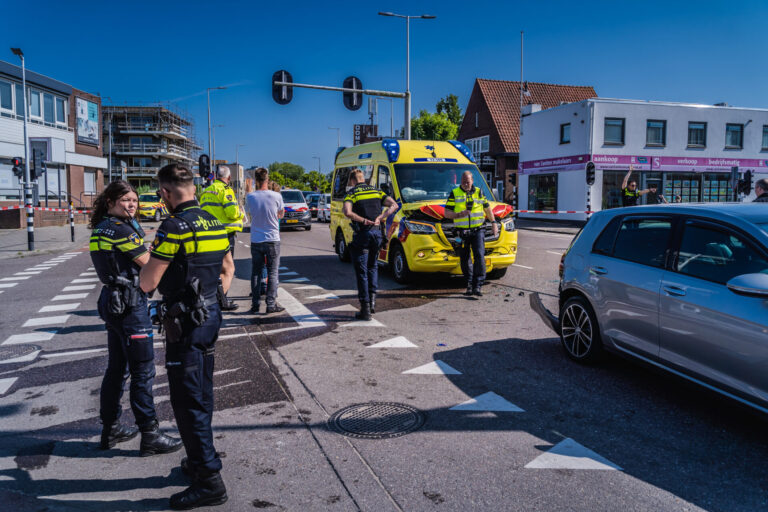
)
(476, 215)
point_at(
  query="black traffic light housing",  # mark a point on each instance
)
(282, 94)
(745, 184)
(590, 173)
(39, 166)
(512, 179)
(18, 167)
(204, 166)
(353, 100)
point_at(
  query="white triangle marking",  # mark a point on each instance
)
(398, 342)
(297, 280)
(22, 359)
(5, 384)
(289, 273)
(434, 368)
(324, 296)
(309, 287)
(345, 307)
(363, 323)
(568, 454)
(489, 401)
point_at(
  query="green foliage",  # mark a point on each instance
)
(287, 169)
(144, 189)
(293, 176)
(450, 106)
(430, 126)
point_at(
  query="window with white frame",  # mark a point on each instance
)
(49, 115)
(34, 103)
(565, 133)
(61, 111)
(765, 137)
(89, 182)
(478, 145)
(734, 136)
(6, 96)
(19, 100)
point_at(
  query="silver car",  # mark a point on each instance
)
(681, 287)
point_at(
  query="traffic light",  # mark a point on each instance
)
(282, 94)
(512, 179)
(590, 173)
(18, 167)
(353, 100)
(204, 166)
(38, 165)
(745, 184)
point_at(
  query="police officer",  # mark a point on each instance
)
(761, 191)
(188, 257)
(630, 195)
(118, 252)
(219, 200)
(468, 208)
(363, 205)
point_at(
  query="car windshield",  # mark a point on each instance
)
(313, 200)
(292, 196)
(424, 182)
(148, 198)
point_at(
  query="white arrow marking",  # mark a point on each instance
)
(363, 323)
(5, 384)
(345, 307)
(489, 401)
(434, 368)
(398, 342)
(30, 337)
(568, 454)
(297, 280)
(324, 296)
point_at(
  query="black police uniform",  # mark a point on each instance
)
(367, 202)
(195, 243)
(629, 197)
(115, 244)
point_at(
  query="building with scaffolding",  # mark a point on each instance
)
(139, 140)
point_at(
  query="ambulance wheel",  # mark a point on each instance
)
(341, 247)
(497, 273)
(399, 266)
(308, 227)
(157, 215)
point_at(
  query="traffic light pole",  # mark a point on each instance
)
(27, 176)
(368, 92)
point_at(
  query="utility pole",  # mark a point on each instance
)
(27, 177)
(210, 142)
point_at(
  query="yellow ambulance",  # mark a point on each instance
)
(419, 175)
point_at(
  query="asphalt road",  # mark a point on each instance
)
(509, 422)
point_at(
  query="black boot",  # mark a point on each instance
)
(207, 489)
(116, 433)
(189, 470)
(229, 305)
(365, 311)
(469, 291)
(372, 302)
(477, 291)
(154, 442)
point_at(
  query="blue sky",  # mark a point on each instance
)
(706, 51)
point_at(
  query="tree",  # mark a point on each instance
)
(450, 106)
(316, 181)
(290, 171)
(430, 126)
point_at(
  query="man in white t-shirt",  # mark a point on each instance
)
(265, 209)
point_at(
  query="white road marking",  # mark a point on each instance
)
(59, 307)
(297, 280)
(363, 323)
(86, 280)
(28, 273)
(5, 384)
(8, 285)
(324, 296)
(521, 266)
(39, 267)
(46, 320)
(90, 268)
(75, 352)
(568, 454)
(79, 287)
(557, 253)
(282, 268)
(88, 274)
(489, 401)
(309, 287)
(22, 359)
(283, 274)
(30, 337)
(73, 253)
(437, 367)
(398, 342)
(70, 296)
(298, 311)
(19, 278)
(230, 336)
(345, 307)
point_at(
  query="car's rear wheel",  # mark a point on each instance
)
(579, 332)
(399, 265)
(341, 247)
(157, 215)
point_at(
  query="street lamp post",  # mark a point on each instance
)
(338, 136)
(208, 92)
(27, 177)
(213, 148)
(318, 164)
(237, 163)
(407, 122)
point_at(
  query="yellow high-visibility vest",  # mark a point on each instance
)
(219, 200)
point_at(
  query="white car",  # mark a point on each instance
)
(324, 208)
(297, 214)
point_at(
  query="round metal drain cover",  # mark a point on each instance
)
(377, 420)
(14, 351)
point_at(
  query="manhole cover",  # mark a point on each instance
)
(14, 351)
(376, 420)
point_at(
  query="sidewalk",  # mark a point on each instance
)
(549, 226)
(13, 242)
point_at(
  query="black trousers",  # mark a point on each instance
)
(473, 243)
(364, 250)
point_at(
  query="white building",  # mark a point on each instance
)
(687, 149)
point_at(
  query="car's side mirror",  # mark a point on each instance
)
(751, 285)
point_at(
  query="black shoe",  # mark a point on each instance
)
(206, 490)
(365, 312)
(372, 302)
(275, 309)
(469, 291)
(116, 433)
(154, 442)
(477, 292)
(230, 305)
(254, 309)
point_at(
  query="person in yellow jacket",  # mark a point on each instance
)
(220, 201)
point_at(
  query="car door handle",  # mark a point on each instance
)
(674, 290)
(598, 270)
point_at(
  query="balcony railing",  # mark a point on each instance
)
(152, 149)
(168, 129)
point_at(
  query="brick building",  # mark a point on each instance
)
(491, 124)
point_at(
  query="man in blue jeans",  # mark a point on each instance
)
(266, 208)
(363, 205)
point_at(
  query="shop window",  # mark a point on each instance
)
(565, 133)
(656, 133)
(765, 137)
(682, 187)
(697, 134)
(734, 136)
(716, 188)
(542, 192)
(612, 188)
(614, 130)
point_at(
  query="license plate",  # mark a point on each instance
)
(292, 221)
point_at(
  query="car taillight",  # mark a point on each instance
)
(562, 265)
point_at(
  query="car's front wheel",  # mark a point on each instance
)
(341, 247)
(579, 332)
(399, 264)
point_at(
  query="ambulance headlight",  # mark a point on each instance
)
(421, 228)
(509, 224)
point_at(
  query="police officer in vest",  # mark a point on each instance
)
(468, 208)
(220, 201)
(362, 205)
(630, 195)
(118, 253)
(189, 255)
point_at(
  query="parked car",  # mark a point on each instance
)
(152, 207)
(681, 287)
(312, 203)
(324, 208)
(296, 210)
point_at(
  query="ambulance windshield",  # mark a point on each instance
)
(433, 181)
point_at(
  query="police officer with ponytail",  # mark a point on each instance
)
(188, 257)
(118, 253)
